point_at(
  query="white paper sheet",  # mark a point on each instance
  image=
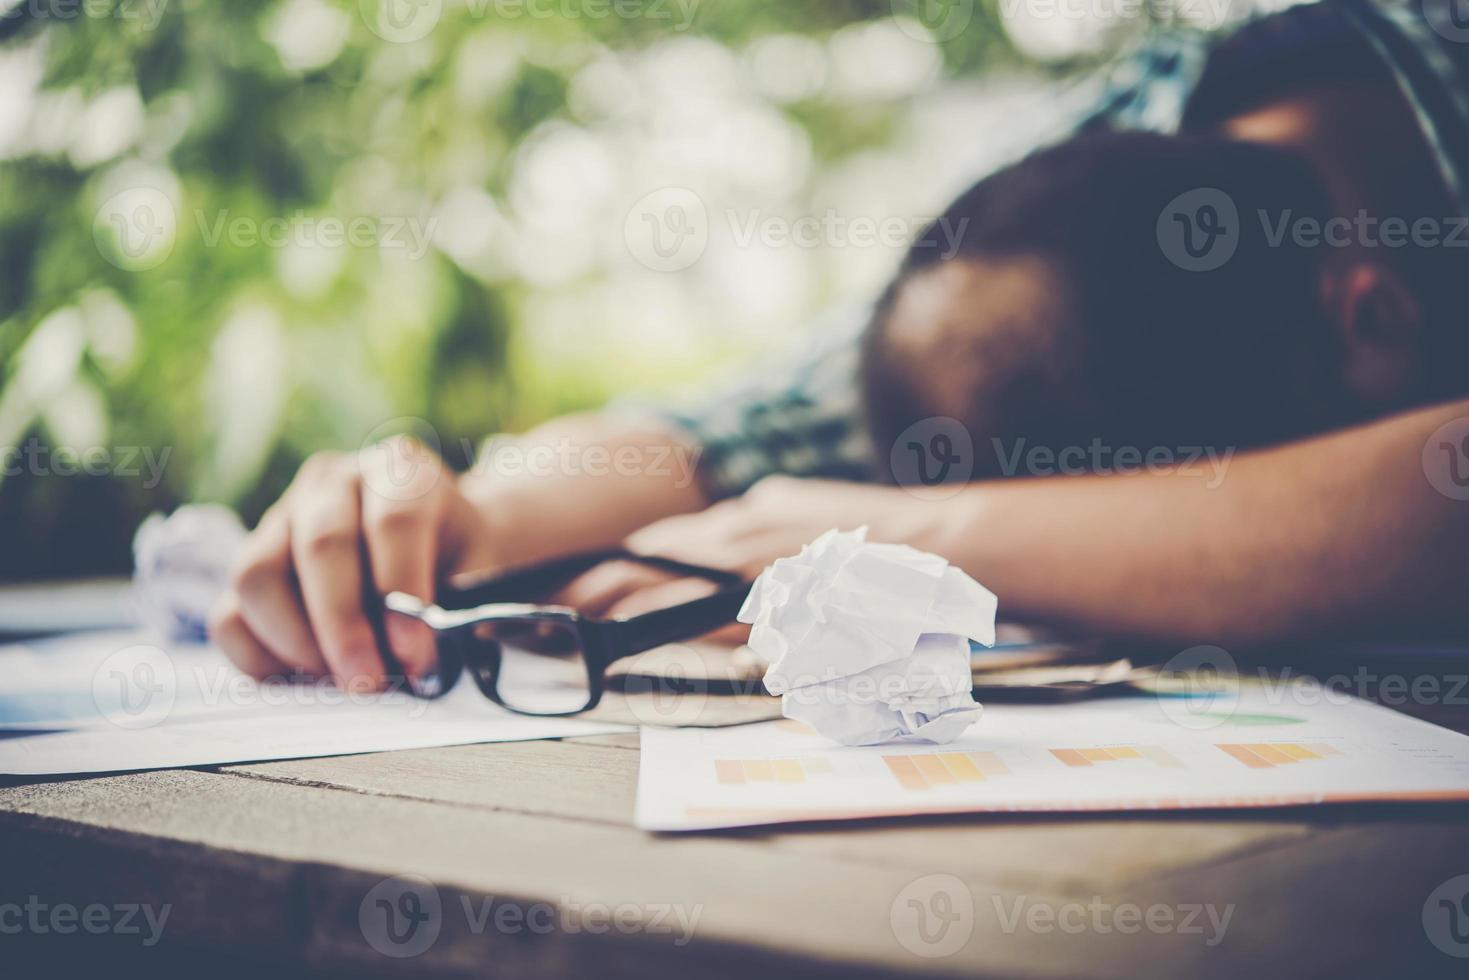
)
(1145, 753)
(124, 703)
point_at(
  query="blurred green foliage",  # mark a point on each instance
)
(228, 125)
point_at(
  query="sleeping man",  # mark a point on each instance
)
(1248, 257)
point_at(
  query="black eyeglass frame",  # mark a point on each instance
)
(603, 642)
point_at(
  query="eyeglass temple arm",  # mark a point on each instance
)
(518, 584)
(683, 622)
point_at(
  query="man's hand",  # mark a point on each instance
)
(389, 519)
(746, 534)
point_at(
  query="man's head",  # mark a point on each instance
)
(1129, 288)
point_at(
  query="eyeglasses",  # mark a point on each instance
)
(550, 660)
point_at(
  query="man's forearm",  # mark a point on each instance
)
(582, 483)
(1341, 534)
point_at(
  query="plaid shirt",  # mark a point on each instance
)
(803, 416)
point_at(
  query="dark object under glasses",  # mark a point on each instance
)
(550, 660)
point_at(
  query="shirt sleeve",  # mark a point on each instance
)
(798, 416)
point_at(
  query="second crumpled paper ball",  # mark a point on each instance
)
(869, 643)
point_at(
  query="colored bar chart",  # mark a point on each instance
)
(1269, 755)
(921, 773)
(1087, 758)
(739, 772)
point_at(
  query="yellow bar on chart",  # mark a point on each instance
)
(962, 767)
(934, 770)
(1271, 753)
(788, 771)
(1299, 752)
(759, 771)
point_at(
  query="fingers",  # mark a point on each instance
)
(230, 633)
(266, 599)
(326, 547)
(598, 591)
(664, 595)
(400, 531)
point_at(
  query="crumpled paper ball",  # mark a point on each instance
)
(181, 566)
(869, 643)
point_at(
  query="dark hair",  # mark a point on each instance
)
(1169, 354)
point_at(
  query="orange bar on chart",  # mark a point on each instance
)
(1244, 755)
(905, 771)
(730, 772)
(1272, 754)
(1072, 758)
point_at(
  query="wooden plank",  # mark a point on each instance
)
(588, 780)
(808, 912)
(1348, 902)
(583, 781)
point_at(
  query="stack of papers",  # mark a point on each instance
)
(1254, 749)
(111, 702)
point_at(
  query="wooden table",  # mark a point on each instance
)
(282, 864)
